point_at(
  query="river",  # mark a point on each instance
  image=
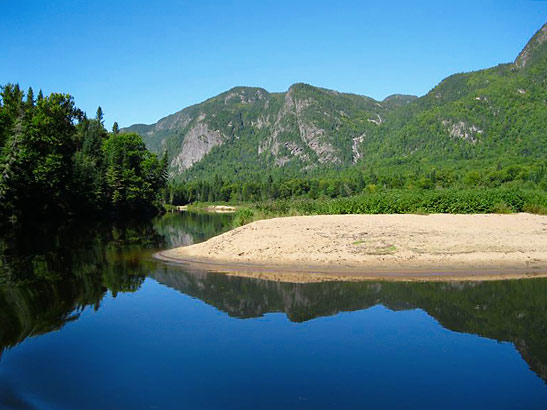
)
(89, 320)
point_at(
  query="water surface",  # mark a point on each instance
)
(88, 320)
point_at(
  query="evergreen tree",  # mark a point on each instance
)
(30, 97)
(99, 116)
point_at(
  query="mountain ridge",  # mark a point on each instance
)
(494, 111)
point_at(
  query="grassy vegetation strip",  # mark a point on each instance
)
(498, 200)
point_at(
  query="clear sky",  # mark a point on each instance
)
(142, 60)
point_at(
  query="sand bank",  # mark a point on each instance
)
(221, 209)
(391, 247)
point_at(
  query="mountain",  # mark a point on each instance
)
(249, 128)
(488, 114)
(491, 113)
(535, 50)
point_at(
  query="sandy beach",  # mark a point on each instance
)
(388, 247)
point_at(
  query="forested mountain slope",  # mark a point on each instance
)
(247, 129)
(492, 114)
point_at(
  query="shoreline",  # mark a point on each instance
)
(217, 209)
(438, 247)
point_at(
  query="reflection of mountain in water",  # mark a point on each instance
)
(47, 279)
(514, 311)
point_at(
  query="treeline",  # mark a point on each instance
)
(342, 184)
(56, 161)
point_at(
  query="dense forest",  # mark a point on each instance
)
(55, 161)
(503, 173)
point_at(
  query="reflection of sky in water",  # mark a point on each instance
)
(207, 341)
(159, 348)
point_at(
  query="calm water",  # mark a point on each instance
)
(89, 321)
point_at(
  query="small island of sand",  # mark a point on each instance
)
(387, 247)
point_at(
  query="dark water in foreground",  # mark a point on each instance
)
(89, 321)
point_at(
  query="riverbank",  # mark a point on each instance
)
(391, 247)
(218, 209)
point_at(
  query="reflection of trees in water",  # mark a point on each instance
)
(48, 276)
(186, 228)
(514, 311)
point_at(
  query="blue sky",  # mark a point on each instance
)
(142, 60)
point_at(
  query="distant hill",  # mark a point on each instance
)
(500, 111)
(492, 113)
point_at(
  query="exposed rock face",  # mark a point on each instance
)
(357, 141)
(378, 120)
(296, 150)
(242, 97)
(463, 131)
(312, 135)
(309, 142)
(198, 142)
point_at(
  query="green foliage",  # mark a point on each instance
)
(37, 156)
(460, 201)
(243, 216)
(484, 129)
(134, 176)
(471, 175)
(56, 161)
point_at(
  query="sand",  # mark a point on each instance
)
(221, 209)
(387, 247)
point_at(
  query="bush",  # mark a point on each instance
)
(243, 216)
